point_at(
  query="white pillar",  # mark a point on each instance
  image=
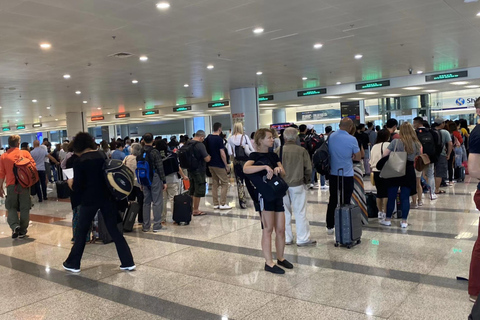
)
(244, 101)
(279, 116)
(189, 129)
(76, 122)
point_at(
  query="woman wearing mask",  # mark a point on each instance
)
(376, 154)
(272, 213)
(240, 148)
(409, 143)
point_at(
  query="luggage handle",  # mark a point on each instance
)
(342, 189)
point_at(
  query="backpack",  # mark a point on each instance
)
(437, 139)
(321, 160)
(143, 172)
(186, 156)
(119, 178)
(240, 153)
(426, 138)
(313, 142)
(25, 172)
(170, 164)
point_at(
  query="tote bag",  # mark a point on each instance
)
(396, 164)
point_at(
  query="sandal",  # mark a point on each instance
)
(199, 213)
(441, 191)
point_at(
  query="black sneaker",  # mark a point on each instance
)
(285, 264)
(22, 235)
(275, 269)
(70, 268)
(15, 233)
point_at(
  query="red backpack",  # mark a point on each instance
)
(25, 172)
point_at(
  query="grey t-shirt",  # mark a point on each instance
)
(400, 147)
(446, 138)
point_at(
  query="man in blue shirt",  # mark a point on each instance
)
(118, 154)
(39, 154)
(343, 149)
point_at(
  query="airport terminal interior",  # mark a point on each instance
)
(125, 68)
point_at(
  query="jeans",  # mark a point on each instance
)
(109, 214)
(41, 186)
(154, 194)
(314, 175)
(366, 161)
(18, 199)
(335, 187)
(404, 201)
(429, 173)
(322, 180)
(295, 202)
(474, 279)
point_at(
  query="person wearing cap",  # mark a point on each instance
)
(441, 167)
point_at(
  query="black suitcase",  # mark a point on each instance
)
(63, 190)
(372, 208)
(182, 209)
(130, 216)
(102, 228)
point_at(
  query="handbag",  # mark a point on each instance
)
(396, 164)
(277, 185)
(240, 153)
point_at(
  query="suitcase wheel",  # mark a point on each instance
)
(336, 244)
(359, 241)
(349, 246)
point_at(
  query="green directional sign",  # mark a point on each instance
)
(20, 127)
(150, 112)
(182, 108)
(219, 104)
(312, 92)
(372, 85)
(265, 98)
(446, 76)
(6, 129)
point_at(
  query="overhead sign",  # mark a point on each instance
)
(219, 104)
(182, 108)
(150, 112)
(312, 92)
(36, 125)
(97, 118)
(372, 85)
(446, 76)
(265, 98)
(20, 127)
(122, 115)
(318, 115)
(6, 129)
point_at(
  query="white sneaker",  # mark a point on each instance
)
(324, 187)
(386, 222)
(403, 224)
(216, 207)
(130, 268)
(420, 203)
(381, 216)
(225, 207)
(414, 205)
(434, 196)
(330, 231)
(312, 186)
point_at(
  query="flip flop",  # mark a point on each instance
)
(200, 213)
(441, 191)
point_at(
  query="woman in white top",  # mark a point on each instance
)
(376, 154)
(240, 143)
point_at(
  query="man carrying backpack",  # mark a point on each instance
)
(153, 184)
(313, 141)
(18, 197)
(441, 167)
(428, 139)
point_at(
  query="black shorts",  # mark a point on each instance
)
(276, 205)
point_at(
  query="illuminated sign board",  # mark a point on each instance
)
(446, 76)
(265, 98)
(182, 108)
(6, 129)
(122, 115)
(219, 104)
(20, 127)
(372, 85)
(36, 125)
(312, 92)
(150, 112)
(98, 118)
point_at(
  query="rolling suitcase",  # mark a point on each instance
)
(348, 221)
(130, 216)
(182, 209)
(63, 190)
(102, 228)
(372, 208)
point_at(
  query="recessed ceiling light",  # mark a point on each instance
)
(412, 88)
(304, 78)
(339, 83)
(163, 5)
(45, 45)
(369, 93)
(56, 119)
(99, 108)
(331, 97)
(108, 112)
(358, 56)
(259, 73)
(140, 109)
(48, 108)
(34, 100)
(85, 101)
(178, 104)
(210, 66)
(317, 45)
(39, 117)
(472, 86)
(134, 81)
(478, 14)
(392, 95)
(78, 92)
(18, 112)
(186, 85)
(16, 120)
(459, 83)
(419, 72)
(0, 107)
(431, 90)
(143, 58)
(258, 30)
(66, 76)
(220, 99)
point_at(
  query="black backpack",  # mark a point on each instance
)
(437, 139)
(313, 142)
(426, 139)
(119, 178)
(186, 156)
(321, 160)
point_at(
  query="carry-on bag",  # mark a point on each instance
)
(182, 209)
(348, 220)
(131, 213)
(102, 228)
(372, 208)
(63, 190)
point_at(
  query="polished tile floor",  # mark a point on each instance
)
(213, 268)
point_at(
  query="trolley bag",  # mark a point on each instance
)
(372, 208)
(182, 209)
(459, 174)
(130, 215)
(63, 190)
(102, 228)
(348, 221)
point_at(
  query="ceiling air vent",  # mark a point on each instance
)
(121, 55)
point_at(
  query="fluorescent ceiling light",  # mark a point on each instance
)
(338, 83)
(294, 105)
(412, 88)
(186, 85)
(355, 98)
(134, 81)
(267, 104)
(304, 78)
(48, 108)
(472, 86)
(369, 93)
(34, 100)
(78, 92)
(66, 76)
(84, 101)
(99, 108)
(259, 73)
(430, 90)
(456, 111)
(459, 83)
(210, 67)
(143, 58)
(56, 119)
(478, 14)
(163, 5)
(39, 117)
(258, 30)
(331, 97)
(358, 56)
(317, 45)
(45, 45)
(419, 72)
(392, 95)
(139, 108)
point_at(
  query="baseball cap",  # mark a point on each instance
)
(439, 120)
(310, 126)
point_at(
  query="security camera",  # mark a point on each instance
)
(410, 71)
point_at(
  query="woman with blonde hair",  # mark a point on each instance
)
(240, 147)
(409, 143)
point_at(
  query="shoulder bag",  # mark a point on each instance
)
(396, 164)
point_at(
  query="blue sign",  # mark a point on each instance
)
(460, 101)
